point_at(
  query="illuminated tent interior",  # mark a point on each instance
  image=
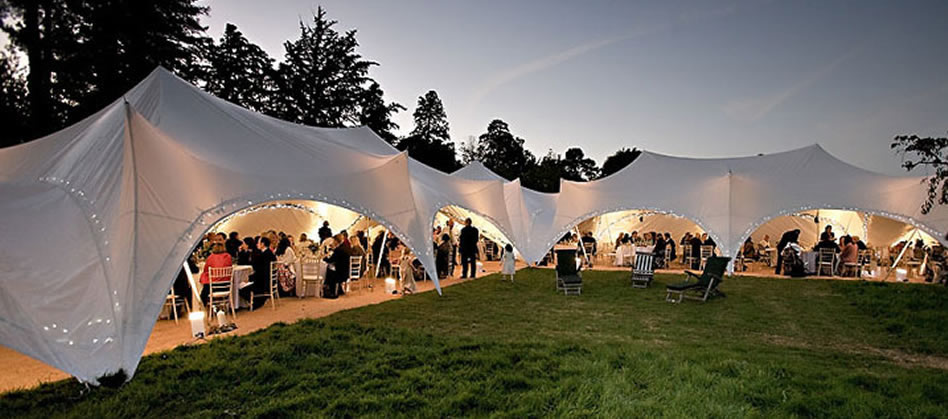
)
(302, 216)
(607, 227)
(874, 230)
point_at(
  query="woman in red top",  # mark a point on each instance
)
(218, 259)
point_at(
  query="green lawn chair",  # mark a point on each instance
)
(706, 285)
(568, 278)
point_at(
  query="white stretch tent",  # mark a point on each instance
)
(292, 217)
(103, 213)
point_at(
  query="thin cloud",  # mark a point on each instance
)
(525, 69)
(753, 109)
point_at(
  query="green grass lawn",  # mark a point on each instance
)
(490, 348)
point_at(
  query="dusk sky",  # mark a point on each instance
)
(702, 79)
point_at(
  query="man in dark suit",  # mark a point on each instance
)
(233, 244)
(324, 232)
(786, 238)
(339, 269)
(261, 258)
(468, 248)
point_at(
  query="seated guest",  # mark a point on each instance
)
(286, 274)
(245, 251)
(363, 239)
(588, 238)
(218, 259)
(792, 258)
(859, 244)
(260, 278)
(826, 244)
(625, 252)
(827, 234)
(748, 251)
(659, 250)
(764, 244)
(356, 249)
(849, 252)
(232, 244)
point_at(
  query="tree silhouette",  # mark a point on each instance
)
(377, 115)
(323, 76)
(577, 167)
(431, 121)
(926, 152)
(13, 101)
(501, 151)
(616, 162)
(437, 154)
(239, 71)
(85, 54)
(544, 175)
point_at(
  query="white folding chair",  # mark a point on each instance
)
(221, 281)
(310, 276)
(174, 301)
(273, 292)
(355, 273)
(825, 263)
(706, 251)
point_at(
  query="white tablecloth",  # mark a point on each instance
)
(299, 280)
(241, 276)
(809, 262)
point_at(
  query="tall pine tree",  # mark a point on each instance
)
(239, 71)
(431, 121)
(322, 77)
(501, 151)
(377, 115)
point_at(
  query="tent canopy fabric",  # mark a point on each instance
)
(106, 211)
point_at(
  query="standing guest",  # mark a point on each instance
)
(232, 244)
(659, 249)
(507, 263)
(786, 238)
(338, 271)
(449, 227)
(218, 259)
(468, 248)
(261, 260)
(696, 243)
(619, 241)
(380, 252)
(443, 256)
(363, 239)
(685, 247)
(324, 232)
(436, 235)
(670, 246)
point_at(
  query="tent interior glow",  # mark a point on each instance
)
(875, 230)
(302, 216)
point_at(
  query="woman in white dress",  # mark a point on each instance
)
(507, 263)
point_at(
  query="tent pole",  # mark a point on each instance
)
(902, 253)
(378, 266)
(581, 245)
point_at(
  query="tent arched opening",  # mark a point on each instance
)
(487, 227)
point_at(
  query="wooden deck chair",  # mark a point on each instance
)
(568, 277)
(642, 271)
(706, 285)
